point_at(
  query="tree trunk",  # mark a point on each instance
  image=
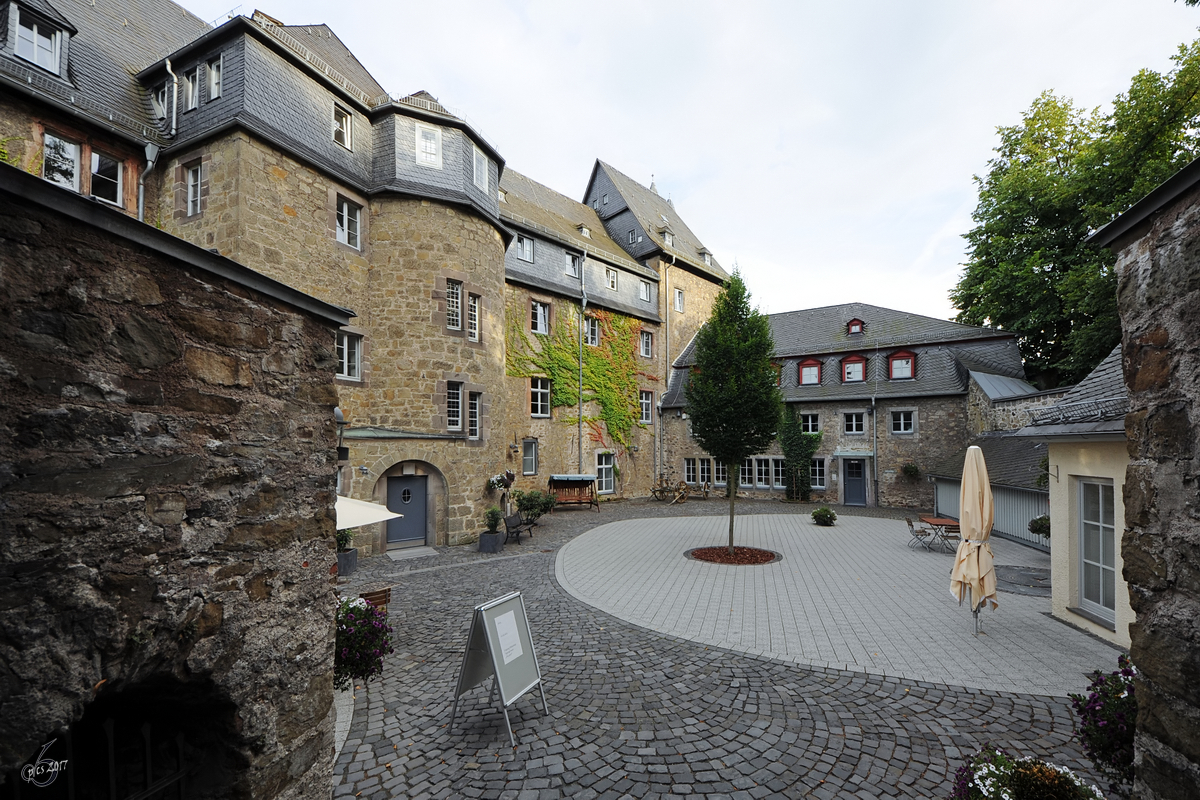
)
(735, 474)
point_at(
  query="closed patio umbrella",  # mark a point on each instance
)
(973, 569)
(355, 513)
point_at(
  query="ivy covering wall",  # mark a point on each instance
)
(610, 369)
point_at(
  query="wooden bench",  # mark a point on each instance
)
(515, 526)
(378, 598)
(574, 490)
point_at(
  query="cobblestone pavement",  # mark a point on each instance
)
(636, 713)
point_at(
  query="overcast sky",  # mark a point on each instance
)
(826, 147)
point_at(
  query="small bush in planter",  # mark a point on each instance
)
(1040, 525)
(344, 540)
(1107, 723)
(361, 642)
(824, 516)
(492, 518)
(910, 470)
(993, 774)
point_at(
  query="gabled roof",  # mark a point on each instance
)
(111, 43)
(1096, 406)
(1011, 461)
(651, 210)
(543, 211)
(325, 43)
(49, 11)
(1002, 387)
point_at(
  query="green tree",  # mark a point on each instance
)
(1058, 176)
(798, 449)
(733, 395)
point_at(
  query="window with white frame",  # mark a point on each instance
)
(60, 161)
(763, 472)
(611, 276)
(454, 406)
(473, 317)
(349, 217)
(668, 238)
(454, 293)
(646, 405)
(349, 356)
(810, 423)
(853, 369)
(705, 470)
(591, 331)
(159, 100)
(38, 42)
(192, 177)
(855, 422)
(816, 473)
(1097, 549)
(900, 366)
(571, 264)
(213, 70)
(191, 89)
(480, 172)
(644, 291)
(720, 474)
(529, 457)
(343, 126)
(473, 400)
(429, 146)
(524, 247)
(539, 397)
(503, 195)
(106, 178)
(631, 235)
(647, 344)
(810, 372)
(777, 472)
(604, 199)
(604, 473)
(679, 299)
(746, 475)
(904, 421)
(707, 259)
(689, 470)
(539, 317)
(585, 231)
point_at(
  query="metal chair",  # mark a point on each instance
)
(921, 536)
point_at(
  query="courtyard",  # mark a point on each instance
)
(844, 669)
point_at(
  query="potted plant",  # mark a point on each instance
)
(824, 516)
(492, 541)
(1040, 525)
(347, 556)
(910, 470)
(363, 638)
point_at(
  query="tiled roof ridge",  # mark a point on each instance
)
(861, 305)
(332, 34)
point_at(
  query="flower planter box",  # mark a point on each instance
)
(491, 542)
(347, 561)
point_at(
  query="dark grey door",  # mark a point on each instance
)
(855, 476)
(406, 495)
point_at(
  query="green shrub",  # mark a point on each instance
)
(533, 504)
(824, 516)
(492, 517)
(344, 538)
(1040, 525)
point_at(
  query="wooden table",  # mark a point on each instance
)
(945, 529)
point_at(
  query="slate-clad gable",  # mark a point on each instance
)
(1096, 405)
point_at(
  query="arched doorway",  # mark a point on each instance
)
(412, 488)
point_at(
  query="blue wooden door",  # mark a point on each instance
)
(855, 477)
(406, 495)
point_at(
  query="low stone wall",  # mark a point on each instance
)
(167, 467)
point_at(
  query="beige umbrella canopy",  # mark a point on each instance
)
(973, 569)
(355, 513)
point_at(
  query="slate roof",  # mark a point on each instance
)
(543, 211)
(1011, 461)
(113, 41)
(1002, 387)
(1095, 406)
(650, 208)
(946, 354)
(329, 48)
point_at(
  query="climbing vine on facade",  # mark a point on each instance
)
(610, 369)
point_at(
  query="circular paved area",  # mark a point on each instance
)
(639, 713)
(851, 597)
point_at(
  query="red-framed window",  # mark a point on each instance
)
(854, 369)
(808, 372)
(902, 365)
(855, 325)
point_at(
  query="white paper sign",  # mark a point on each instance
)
(510, 640)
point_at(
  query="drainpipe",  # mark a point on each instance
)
(175, 98)
(874, 451)
(582, 322)
(151, 159)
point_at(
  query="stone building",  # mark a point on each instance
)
(1158, 297)
(885, 388)
(165, 600)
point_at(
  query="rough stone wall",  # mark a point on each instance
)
(698, 296)
(984, 414)
(166, 458)
(558, 436)
(1159, 301)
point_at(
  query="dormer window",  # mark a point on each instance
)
(38, 42)
(854, 326)
(480, 176)
(902, 366)
(809, 372)
(503, 196)
(342, 127)
(668, 238)
(159, 101)
(585, 231)
(854, 369)
(707, 259)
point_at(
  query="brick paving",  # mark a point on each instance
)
(638, 713)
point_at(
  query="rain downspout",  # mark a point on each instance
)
(582, 322)
(175, 98)
(875, 431)
(151, 159)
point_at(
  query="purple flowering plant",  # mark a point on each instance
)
(362, 640)
(1107, 723)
